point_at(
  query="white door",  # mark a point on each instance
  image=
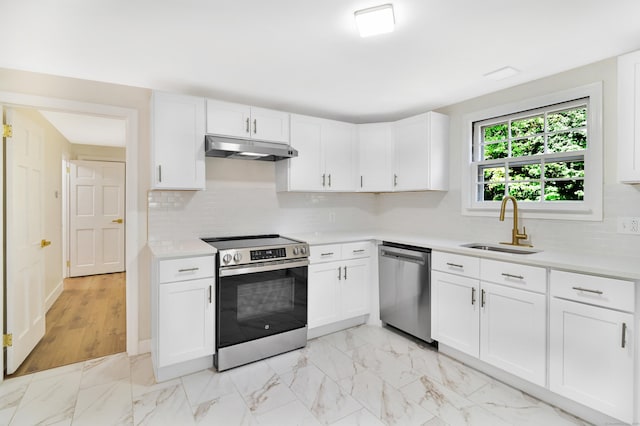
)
(338, 147)
(323, 293)
(513, 331)
(455, 319)
(228, 119)
(25, 243)
(375, 144)
(269, 125)
(354, 287)
(411, 152)
(96, 216)
(305, 171)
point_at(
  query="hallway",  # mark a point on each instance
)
(88, 320)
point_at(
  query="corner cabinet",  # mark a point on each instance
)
(326, 156)
(629, 118)
(183, 315)
(339, 280)
(592, 345)
(247, 122)
(177, 142)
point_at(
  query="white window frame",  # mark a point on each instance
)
(589, 209)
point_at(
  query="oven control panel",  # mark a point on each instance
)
(272, 253)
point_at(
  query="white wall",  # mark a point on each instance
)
(241, 199)
(440, 214)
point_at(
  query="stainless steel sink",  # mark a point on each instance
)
(501, 248)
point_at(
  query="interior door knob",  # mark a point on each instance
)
(117, 221)
(45, 243)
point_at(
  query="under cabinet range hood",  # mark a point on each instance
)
(242, 149)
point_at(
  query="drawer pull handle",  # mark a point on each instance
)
(358, 251)
(345, 272)
(327, 254)
(482, 301)
(520, 277)
(210, 293)
(624, 335)
(473, 295)
(587, 290)
(188, 269)
(340, 273)
(455, 265)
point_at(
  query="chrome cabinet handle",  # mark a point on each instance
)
(345, 272)
(473, 295)
(327, 254)
(339, 273)
(329, 180)
(360, 181)
(482, 300)
(247, 128)
(455, 265)
(255, 126)
(210, 293)
(188, 269)
(624, 335)
(587, 290)
(520, 277)
(323, 179)
(395, 180)
(160, 173)
(358, 251)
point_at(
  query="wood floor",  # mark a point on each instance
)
(87, 321)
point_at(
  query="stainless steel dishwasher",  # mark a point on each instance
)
(405, 288)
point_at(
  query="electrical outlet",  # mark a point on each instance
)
(629, 225)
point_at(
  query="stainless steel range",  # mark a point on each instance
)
(261, 302)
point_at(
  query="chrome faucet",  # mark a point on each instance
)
(516, 236)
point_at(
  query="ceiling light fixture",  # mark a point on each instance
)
(375, 20)
(502, 73)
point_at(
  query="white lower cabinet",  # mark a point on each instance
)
(183, 315)
(339, 280)
(502, 324)
(592, 347)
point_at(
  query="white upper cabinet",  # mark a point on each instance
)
(177, 141)
(629, 118)
(325, 159)
(375, 157)
(421, 153)
(244, 121)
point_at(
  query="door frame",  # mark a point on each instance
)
(132, 248)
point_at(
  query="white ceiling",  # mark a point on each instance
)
(88, 129)
(306, 56)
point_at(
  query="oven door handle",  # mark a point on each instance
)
(229, 272)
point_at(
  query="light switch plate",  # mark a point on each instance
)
(629, 225)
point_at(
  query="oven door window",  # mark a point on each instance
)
(251, 306)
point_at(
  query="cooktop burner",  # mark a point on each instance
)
(242, 250)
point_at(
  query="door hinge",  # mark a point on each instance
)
(68, 169)
(7, 340)
(7, 130)
(68, 264)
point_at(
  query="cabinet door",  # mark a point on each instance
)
(338, 148)
(354, 287)
(455, 311)
(629, 118)
(591, 357)
(228, 119)
(305, 171)
(375, 149)
(323, 294)
(513, 331)
(185, 321)
(411, 154)
(177, 141)
(269, 125)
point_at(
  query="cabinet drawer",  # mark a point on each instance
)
(456, 264)
(325, 253)
(526, 277)
(186, 268)
(356, 250)
(607, 292)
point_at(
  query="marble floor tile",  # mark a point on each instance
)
(168, 406)
(366, 388)
(11, 393)
(384, 365)
(451, 373)
(142, 377)
(105, 370)
(228, 410)
(207, 385)
(398, 410)
(321, 395)
(58, 371)
(104, 404)
(335, 363)
(49, 400)
(273, 394)
(359, 418)
(291, 414)
(517, 407)
(345, 340)
(289, 361)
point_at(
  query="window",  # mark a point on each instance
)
(547, 156)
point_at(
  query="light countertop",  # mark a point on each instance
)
(180, 248)
(627, 267)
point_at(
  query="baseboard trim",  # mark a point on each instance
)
(144, 346)
(53, 296)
